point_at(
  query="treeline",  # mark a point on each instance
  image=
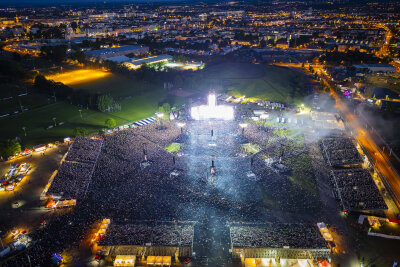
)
(350, 58)
(60, 91)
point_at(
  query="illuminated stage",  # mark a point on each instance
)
(212, 110)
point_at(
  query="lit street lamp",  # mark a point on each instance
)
(243, 125)
(181, 125)
(264, 116)
(55, 123)
(160, 116)
(80, 112)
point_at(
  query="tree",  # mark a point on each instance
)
(56, 53)
(167, 107)
(110, 123)
(80, 131)
(74, 26)
(104, 102)
(9, 148)
(180, 58)
(79, 56)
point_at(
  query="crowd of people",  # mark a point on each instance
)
(170, 131)
(84, 150)
(132, 181)
(289, 154)
(71, 180)
(75, 173)
(357, 190)
(340, 151)
(160, 234)
(276, 236)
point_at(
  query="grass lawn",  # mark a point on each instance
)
(37, 120)
(116, 85)
(259, 81)
(141, 99)
(173, 148)
(250, 148)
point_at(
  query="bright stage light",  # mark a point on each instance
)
(212, 110)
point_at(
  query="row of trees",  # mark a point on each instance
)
(56, 53)
(105, 103)
(9, 148)
(60, 91)
(350, 58)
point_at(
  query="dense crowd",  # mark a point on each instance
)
(279, 186)
(276, 236)
(357, 190)
(75, 173)
(340, 151)
(84, 150)
(71, 180)
(170, 131)
(162, 234)
(132, 181)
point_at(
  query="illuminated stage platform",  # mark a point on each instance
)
(212, 110)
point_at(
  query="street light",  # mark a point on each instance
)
(80, 112)
(243, 125)
(24, 128)
(181, 125)
(54, 119)
(160, 116)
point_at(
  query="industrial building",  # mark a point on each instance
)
(106, 53)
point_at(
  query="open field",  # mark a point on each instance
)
(389, 82)
(259, 81)
(250, 148)
(79, 76)
(140, 99)
(173, 147)
(38, 120)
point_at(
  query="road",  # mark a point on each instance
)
(366, 141)
(362, 135)
(30, 210)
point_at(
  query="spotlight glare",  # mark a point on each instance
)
(212, 110)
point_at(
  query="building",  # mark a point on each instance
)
(374, 68)
(137, 63)
(150, 241)
(277, 244)
(103, 54)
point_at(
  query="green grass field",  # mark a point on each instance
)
(173, 148)
(116, 85)
(38, 120)
(141, 99)
(250, 148)
(259, 81)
